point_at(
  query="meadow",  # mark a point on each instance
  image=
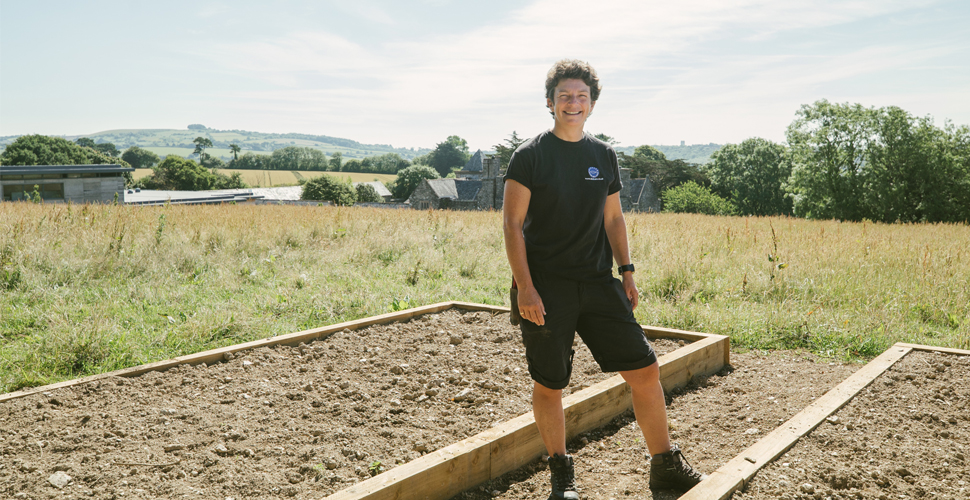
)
(90, 288)
(271, 178)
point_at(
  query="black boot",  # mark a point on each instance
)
(670, 471)
(563, 478)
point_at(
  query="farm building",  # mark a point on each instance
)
(379, 187)
(74, 183)
(478, 187)
(637, 195)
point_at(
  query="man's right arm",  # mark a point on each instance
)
(514, 209)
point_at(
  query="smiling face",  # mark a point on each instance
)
(571, 103)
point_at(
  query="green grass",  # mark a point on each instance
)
(88, 289)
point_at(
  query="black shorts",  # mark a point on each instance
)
(603, 317)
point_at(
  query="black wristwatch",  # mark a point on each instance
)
(628, 267)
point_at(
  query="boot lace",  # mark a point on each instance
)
(682, 466)
(563, 475)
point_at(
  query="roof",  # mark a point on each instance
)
(443, 188)
(63, 169)
(475, 163)
(636, 190)
(467, 189)
(378, 186)
(455, 189)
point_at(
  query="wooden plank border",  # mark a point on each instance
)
(220, 354)
(506, 447)
(737, 472)
(446, 472)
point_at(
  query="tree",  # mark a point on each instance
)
(234, 149)
(336, 162)
(388, 163)
(297, 158)
(103, 147)
(447, 155)
(85, 142)
(753, 175)
(410, 178)
(663, 174)
(327, 188)
(607, 139)
(140, 158)
(649, 153)
(253, 161)
(212, 162)
(691, 197)
(232, 181)
(881, 164)
(200, 144)
(367, 194)
(179, 174)
(45, 150)
(505, 150)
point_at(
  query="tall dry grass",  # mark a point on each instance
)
(89, 288)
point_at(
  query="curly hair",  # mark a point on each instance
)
(573, 68)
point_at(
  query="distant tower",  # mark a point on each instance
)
(681, 143)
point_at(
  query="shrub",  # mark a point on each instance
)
(367, 194)
(691, 197)
(326, 188)
(410, 178)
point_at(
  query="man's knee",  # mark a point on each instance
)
(642, 378)
(543, 392)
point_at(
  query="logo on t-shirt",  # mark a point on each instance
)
(594, 174)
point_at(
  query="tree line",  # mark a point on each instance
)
(841, 161)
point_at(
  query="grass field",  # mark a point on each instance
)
(89, 288)
(270, 178)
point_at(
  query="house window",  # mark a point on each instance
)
(424, 205)
(16, 192)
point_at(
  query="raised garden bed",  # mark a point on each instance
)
(436, 396)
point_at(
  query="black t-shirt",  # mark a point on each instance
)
(564, 230)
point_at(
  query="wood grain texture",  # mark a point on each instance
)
(948, 350)
(517, 442)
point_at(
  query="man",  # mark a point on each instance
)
(563, 227)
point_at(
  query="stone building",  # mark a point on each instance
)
(637, 195)
(74, 183)
(478, 186)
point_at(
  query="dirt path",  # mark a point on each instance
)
(305, 422)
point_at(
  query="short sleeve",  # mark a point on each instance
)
(521, 168)
(616, 185)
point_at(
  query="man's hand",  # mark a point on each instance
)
(530, 306)
(630, 287)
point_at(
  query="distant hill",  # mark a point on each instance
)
(695, 153)
(179, 142)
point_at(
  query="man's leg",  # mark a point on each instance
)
(547, 409)
(550, 419)
(668, 468)
(649, 406)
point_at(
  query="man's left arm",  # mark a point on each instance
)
(616, 232)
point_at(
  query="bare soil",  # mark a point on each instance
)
(307, 421)
(905, 436)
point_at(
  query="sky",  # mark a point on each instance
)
(412, 73)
